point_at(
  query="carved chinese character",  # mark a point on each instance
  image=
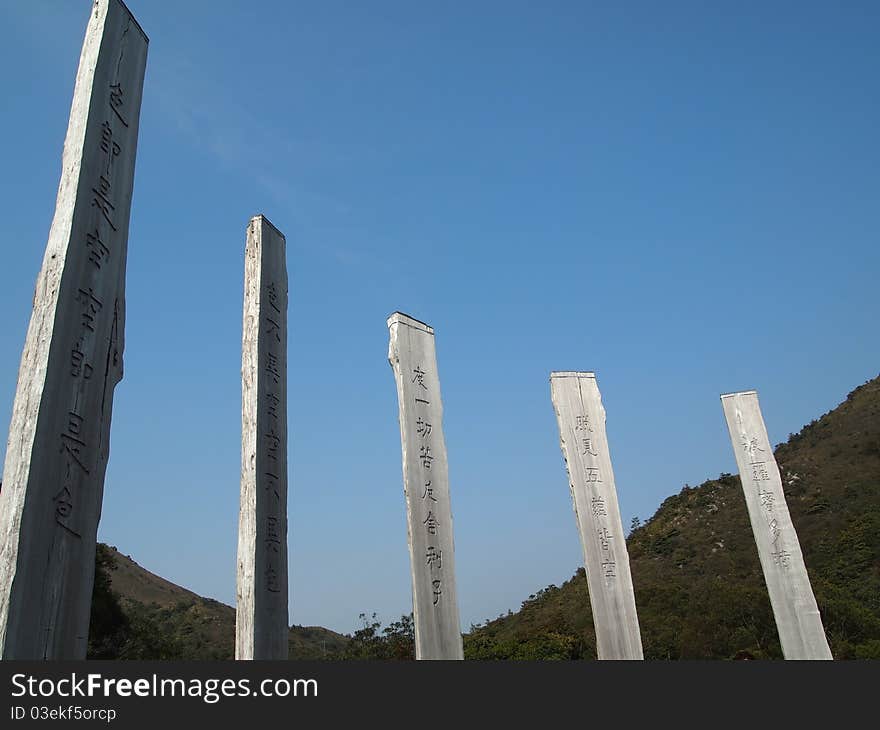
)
(75, 449)
(63, 503)
(429, 492)
(108, 145)
(593, 474)
(418, 377)
(272, 402)
(435, 584)
(767, 499)
(116, 101)
(272, 296)
(775, 532)
(78, 364)
(272, 442)
(782, 558)
(273, 538)
(91, 306)
(64, 509)
(272, 483)
(425, 456)
(101, 201)
(423, 428)
(272, 584)
(97, 250)
(274, 329)
(598, 506)
(608, 568)
(604, 538)
(588, 447)
(582, 423)
(759, 471)
(74, 423)
(434, 557)
(750, 446)
(430, 523)
(272, 367)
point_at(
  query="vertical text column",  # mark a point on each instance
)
(801, 633)
(261, 627)
(426, 487)
(581, 419)
(59, 437)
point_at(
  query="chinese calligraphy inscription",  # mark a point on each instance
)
(261, 624)
(581, 419)
(794, 606)
(426, 487)
(53, 477)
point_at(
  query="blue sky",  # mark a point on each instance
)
(682, 197)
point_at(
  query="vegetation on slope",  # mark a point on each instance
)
(699, 588)
(138, 615)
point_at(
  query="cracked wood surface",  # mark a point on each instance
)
(59, 437)
(261, 619)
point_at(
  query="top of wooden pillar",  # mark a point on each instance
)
(739, 392)
(130, 15)
(263, 219)
(401, 318)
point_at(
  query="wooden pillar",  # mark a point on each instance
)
(59, 437)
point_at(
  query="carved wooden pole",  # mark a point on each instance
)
(797, 616)
(426, 487)
(261, 629)
(581, 419)
(59, 437)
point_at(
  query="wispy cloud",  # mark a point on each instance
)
(257, 149)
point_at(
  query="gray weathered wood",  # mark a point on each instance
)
(581, 419)
(791, 595)
(59, 436)
(426, 487)
(261, 628)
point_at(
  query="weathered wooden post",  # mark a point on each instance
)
(59, 437)
(426, 487)
(261, 628)
(581, 419)
(797, 616)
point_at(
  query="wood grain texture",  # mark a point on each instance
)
(413, 359)
(59, 437)
(581, 419)
(261, 625)
(801, 633)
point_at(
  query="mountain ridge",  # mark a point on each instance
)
(699, 588)
(160, 619)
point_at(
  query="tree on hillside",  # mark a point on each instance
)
(395, 641)
(114, 634)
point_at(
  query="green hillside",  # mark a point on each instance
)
(698, 584)
(139, 615)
